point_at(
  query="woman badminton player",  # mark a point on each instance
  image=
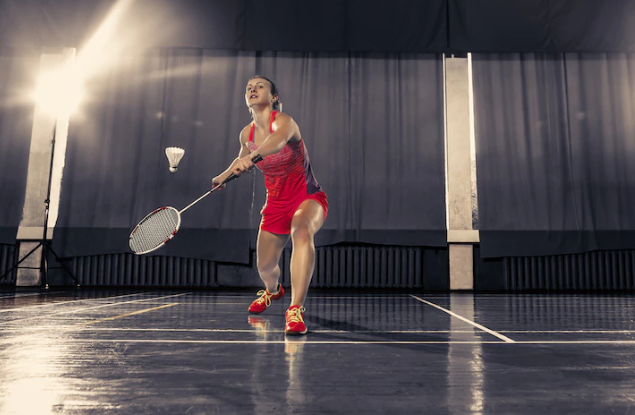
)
(296, 205)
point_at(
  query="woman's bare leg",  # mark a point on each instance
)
(308, 219)
(268, 250)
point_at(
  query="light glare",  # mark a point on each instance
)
(59, 92)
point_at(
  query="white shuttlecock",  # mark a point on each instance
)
(174, 155)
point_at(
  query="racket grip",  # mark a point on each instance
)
(232, 176)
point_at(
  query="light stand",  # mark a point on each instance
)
(44, 242)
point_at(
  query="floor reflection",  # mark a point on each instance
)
(34, 378)
(262, 396)
(296, 395)
(465, 361)
(261, 326)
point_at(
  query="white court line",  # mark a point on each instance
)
(360, 305)
(214, 303)
(74, 328)
(485, 329)
(88, 308)
(28, 294)
(308, 303)
(312, 331)
(134, 313)
(302, 341)
(294, 341)
(569, 331)
(317, 297)
(63, 302)
(365, 297)
(576, 342)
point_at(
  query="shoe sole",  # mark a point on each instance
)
(296, 333)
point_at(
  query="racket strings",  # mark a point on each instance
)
(154, 230)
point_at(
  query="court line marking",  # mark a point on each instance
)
(63, 302)
(18, 295)
(254, 331)
(309, 304)
(294, 341)
(350, 331)
(485, 329)
(319, 297)
(370, 342)
(88, 308)
(576, 342)
(569, 331)
(357, 331)
(129, 314)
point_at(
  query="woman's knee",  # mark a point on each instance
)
(302, 233)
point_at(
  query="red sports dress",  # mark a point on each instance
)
(289, 181)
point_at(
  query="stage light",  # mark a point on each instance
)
(59, 92)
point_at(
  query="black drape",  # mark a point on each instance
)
(376, 148)
(280, 25)
(18, 69)
(351, 25)
(330, 25)
(541, 26)
(555, 140)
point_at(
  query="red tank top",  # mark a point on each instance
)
(288, 173)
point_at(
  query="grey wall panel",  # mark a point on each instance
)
(144, 271)
(363, 267)
(336, 267)
(592, 271)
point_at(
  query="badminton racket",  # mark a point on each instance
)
(160, 226)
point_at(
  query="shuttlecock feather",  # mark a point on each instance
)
(174, 155)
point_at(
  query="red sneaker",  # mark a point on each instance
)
(264, 301)
(295, 320)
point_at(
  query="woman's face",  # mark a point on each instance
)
(258, 92)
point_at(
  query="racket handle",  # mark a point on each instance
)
(232, 176)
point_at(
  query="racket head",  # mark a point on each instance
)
(155, 230)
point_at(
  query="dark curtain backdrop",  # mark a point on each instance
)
(248, 25)
(405, 26)
(376, 147)
(18, 71)
(555, 140)
(541, 26)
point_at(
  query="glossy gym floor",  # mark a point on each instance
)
(200, 352)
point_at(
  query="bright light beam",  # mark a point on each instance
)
(59, 92)
(102, 48)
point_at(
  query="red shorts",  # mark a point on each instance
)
(276, 218)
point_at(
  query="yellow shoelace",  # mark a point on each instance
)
(295, 315)
(265, 297)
